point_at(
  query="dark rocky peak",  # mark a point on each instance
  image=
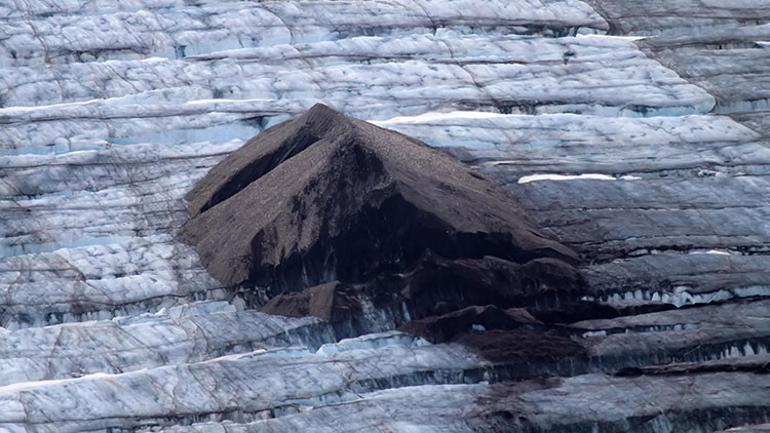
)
(265, 152)
(323, 198)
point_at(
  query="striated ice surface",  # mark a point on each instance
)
(373, 341)
(86, 31)
(634, 131)
(174, 335)
(248, 386)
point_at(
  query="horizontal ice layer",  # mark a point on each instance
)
(174, 335)
(294, 386)
(645, 234)
(702, 278)
(108, 278)
(90, 234)
(416, 73)
(642, 17)
(568, 144)
(660, 200)
(424, 409)
(728, 331)
(600, 402)
(692, 402)
(730, 64)
(246, 386)
(82, 31)
(217, 122)
(202, 331)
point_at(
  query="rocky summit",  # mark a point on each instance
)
(351, 214)
(185, 248)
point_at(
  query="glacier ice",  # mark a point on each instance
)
(111, 111)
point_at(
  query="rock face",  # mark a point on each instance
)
(324, 197)
(446, 327)
(332, 302)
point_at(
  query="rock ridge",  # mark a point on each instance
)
(355, 217)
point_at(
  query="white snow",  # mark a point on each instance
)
(561, 177)
(373, 341)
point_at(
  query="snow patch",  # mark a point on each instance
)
(437, 117)
(374, 341)
(563, 177)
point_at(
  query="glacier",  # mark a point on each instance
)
(633, 131)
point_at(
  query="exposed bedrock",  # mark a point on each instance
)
(368, 221)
